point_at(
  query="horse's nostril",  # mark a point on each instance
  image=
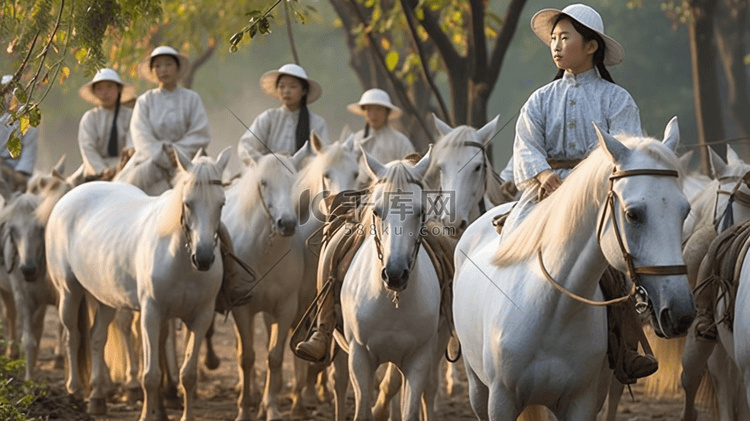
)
(463, 224)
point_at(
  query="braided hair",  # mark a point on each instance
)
(588, 34)
(113, 148)
(302, 132)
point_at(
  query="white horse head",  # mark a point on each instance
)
(461, 170)
(331, 169)
(397, 211)
(266, 180)
(195, 204)
(22, 233)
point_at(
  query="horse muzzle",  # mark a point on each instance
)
(395, 280)
(203, 258)
(672, 317)
(286, 226)
(29, 271)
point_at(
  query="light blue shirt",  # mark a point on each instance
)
(556, 123)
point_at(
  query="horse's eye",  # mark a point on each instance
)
(478, 167)
(633, 216)
(263, 183)
(356, 175)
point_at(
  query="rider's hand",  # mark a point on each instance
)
(549, 181)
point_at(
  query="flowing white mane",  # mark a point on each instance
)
(558, 217)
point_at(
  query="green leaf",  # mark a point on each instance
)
(23, 124)
(35, 116)
(747, 60)
(14, 145)
(391, 60)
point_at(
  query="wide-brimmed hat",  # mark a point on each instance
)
(86, 92)
(144, 67)
(543, 21)
(374, 97)
(6, 79)
(268, 81)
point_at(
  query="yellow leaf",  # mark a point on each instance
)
(337, 23)
(64, 74)
(391, 60)
(747, 60)
(23, 124)
(80, 55)
(385, 43)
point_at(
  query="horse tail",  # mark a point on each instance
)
(666, 381)
(83, 354)
(535, 413)
(116, 353)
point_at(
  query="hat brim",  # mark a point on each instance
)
(86, 92)
(544, 19)
(356, 109)
(145, 73)
(268, 85)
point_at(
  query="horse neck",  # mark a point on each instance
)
(243, 201)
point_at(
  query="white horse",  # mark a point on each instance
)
(390, 297)
(525, 343)
(147, 173)
(262, 219)
(152, 254)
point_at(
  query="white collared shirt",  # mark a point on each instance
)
(93, 137)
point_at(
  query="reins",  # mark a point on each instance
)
(634, 272)
(727, 217)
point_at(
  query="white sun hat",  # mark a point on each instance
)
(543, 21)
(374, 97)
(144, 67)
(268, 81)
(86, 92)
(6, 79)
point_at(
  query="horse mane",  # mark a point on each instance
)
(248, 181)
(555, 219)
(397, 177)
(309, 178)
(454, 139)
(197, 178)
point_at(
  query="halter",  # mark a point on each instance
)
(265, 208)
(637, 289)
(471, 143)
(186, 228)
(376, 237)
(727, 218)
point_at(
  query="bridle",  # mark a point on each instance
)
(376, 230)
(186, 228)
(471, 143)
(637, 290)
(727, 217)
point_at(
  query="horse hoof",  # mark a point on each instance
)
(97, 406)
(133, 395)
(212, 362)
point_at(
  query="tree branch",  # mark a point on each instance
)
(289, 32)
(451, 58)
(510, 23)
(43, 55)
(477, 39)
(19, 72)
(399, 88)
(410, 18)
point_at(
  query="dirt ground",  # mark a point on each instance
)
(217, 396)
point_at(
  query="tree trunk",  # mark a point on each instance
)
(705, 78)
(730, 26)
(200, 61)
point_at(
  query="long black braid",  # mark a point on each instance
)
(302, 133)
(113, 147)
(588, 34)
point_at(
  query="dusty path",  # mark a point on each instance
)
(217, 397)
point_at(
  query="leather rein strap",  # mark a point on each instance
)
(633, 271)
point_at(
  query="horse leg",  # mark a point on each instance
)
(694, 361)
(276, 339)
(613, 398)
(59, 345)
(389, 386)
(9, 305)
(430, 393)
(212, 360)
(100, 380)
(126, 324)
(151, 331)
(453, 385)
(500, 405)
(243, 328)
(301, 395)
(339, 379)
(728, 385)
(361, 373)
(479, 394)
(197, 329)
(416, 376)
(27, 310)
(71, 301)
(169, 364)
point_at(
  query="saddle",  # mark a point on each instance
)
(725, 257)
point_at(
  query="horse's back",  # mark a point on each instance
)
(478, 233)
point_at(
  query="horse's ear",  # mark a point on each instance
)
(420, 168)
(374, 166)
(672, 134)
(9, 251)
(183, 162)
(60, 165)
(685, 159)
(718, 166)
(442, 127)
(611, 146)
(57, 175)
(488, 130)
(346, 133)
(732, 157)
(201, 152)
(316, 142)
(223, 159)
(298, 159)
(349, 143)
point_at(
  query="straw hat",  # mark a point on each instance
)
(144, 67)
(86, 92)
(268, 81)
(544, 19)
(374, 97)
